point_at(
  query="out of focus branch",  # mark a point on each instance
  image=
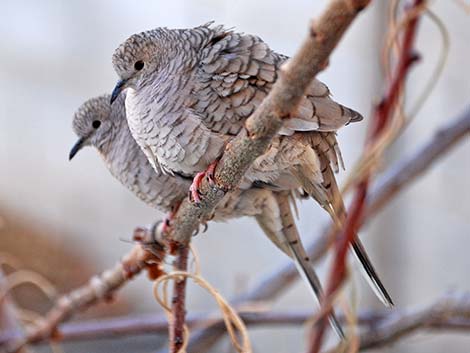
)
(402, 174)
(99, 288)
(449, 313)
(410, 168)
(383, 115)
(379, 328)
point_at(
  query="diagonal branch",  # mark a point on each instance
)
(448, 312)
(263, 124)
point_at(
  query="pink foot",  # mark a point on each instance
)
(194, 193)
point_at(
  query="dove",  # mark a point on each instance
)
(104, 127)
(190, 91)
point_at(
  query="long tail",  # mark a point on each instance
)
(278, 224)
(329, 197)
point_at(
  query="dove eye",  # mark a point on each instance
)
(96, 124)
(139, 65)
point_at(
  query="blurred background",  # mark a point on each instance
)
(68, 220)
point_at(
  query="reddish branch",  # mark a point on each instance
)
(382, 115)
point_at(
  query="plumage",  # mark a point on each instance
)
(206, 90)
(128, 164)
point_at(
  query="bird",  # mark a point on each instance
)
(98, 124)
(190, 91)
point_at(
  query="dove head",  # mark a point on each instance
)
(95, 123)
(136, 58)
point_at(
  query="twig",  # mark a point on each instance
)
(399, 176)
(176, 328)
(99, 288)
(382, 116)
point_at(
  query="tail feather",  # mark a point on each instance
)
(371, 275)
(331, 200)
(296, 251)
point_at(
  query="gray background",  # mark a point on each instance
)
(56, 54)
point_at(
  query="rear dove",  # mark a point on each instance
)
(105, 127)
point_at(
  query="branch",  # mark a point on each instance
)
(99, 288)
(176, 327)
(452, 312)
(399, 176)
(265, 122)
(262, 125)
(410, 168)
(379, 328)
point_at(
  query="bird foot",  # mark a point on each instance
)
(194, 193)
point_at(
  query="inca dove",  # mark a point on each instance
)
(189, 93)
(105, 127)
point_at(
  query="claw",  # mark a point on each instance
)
(194, 193)
(210, 172)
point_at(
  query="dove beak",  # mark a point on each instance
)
(77, 147)
(120, 85)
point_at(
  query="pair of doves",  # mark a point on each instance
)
(188, 92)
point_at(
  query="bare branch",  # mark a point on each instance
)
(176, 328)
(264, 123)
(449, 313)
(99, 288)
(286, 93)
(381, 328)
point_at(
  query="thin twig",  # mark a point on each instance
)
(382, 116)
